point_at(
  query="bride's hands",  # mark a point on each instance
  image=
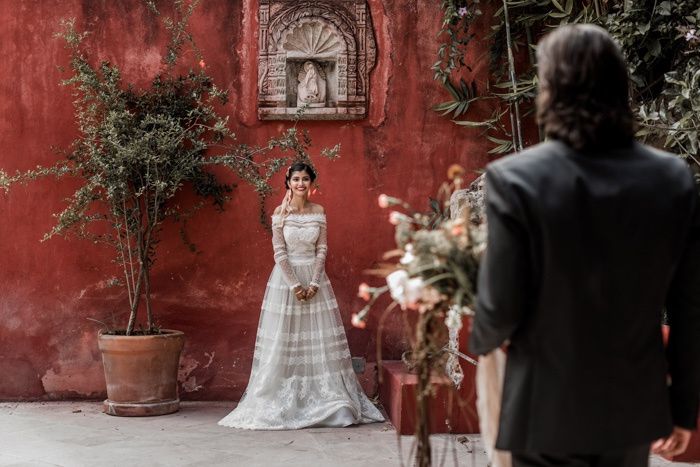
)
(311, 292)
(300, 293)
(304, 294)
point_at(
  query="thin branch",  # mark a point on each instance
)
(517, 137)
(122, 255)
(131, 258)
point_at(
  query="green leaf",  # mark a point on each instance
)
(493, 139)
(569, 6)
(558, 15)
(472, 124)
(558, 5)
(464, 87)
(449, 105)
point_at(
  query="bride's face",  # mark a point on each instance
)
(300, 183)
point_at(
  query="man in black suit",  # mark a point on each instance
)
(591, 235)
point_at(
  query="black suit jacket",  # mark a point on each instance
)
(584, 252)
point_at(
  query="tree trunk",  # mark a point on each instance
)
(135, 304)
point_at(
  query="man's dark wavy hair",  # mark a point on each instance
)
(583, 98)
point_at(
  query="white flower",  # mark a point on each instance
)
(404, 290)
(690, 35)
(414, 291)
(396, 282)
(407, 258)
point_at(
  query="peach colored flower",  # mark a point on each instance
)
(395, 218)
(457, 230)
(202, 64)
(383, 201)
(364, 292)
(358, 322)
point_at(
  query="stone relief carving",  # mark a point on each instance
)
(315, 54)
(312, 86)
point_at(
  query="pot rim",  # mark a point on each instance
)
(165, 334)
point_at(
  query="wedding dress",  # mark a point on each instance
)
(302, 375)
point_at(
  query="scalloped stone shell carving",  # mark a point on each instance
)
(336, 37)
(312, 39)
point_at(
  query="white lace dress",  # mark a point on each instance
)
(302, 375)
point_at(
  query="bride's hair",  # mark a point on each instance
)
(299, 167)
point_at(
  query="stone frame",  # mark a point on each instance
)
(347, 66)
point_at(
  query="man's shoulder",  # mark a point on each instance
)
(543, 157)
(663, 157)
(667, 166)
(531, 159)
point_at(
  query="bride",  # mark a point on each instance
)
(301, 375)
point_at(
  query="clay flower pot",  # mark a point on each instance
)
(141, 373)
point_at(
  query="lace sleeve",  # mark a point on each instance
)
(321, 250)
(280, 248)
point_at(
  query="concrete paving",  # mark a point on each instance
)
(74, 434)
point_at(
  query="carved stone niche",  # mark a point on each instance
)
(314, 59)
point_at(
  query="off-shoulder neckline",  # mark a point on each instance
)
(301, 214)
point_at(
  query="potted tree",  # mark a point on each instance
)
(137, 149)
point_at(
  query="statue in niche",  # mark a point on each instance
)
(311, 90)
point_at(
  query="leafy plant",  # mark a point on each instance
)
(662, 46)
(659, 39)
(455, 37)
(140, 148)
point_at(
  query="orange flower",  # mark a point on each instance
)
(455, 171)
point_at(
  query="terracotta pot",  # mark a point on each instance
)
(141, 373)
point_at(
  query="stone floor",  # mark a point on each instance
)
(78, 434)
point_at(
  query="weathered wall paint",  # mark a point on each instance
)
(48, 291)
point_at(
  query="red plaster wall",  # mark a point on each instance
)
(48, 291)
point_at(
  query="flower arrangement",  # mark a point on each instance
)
(438, 257)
